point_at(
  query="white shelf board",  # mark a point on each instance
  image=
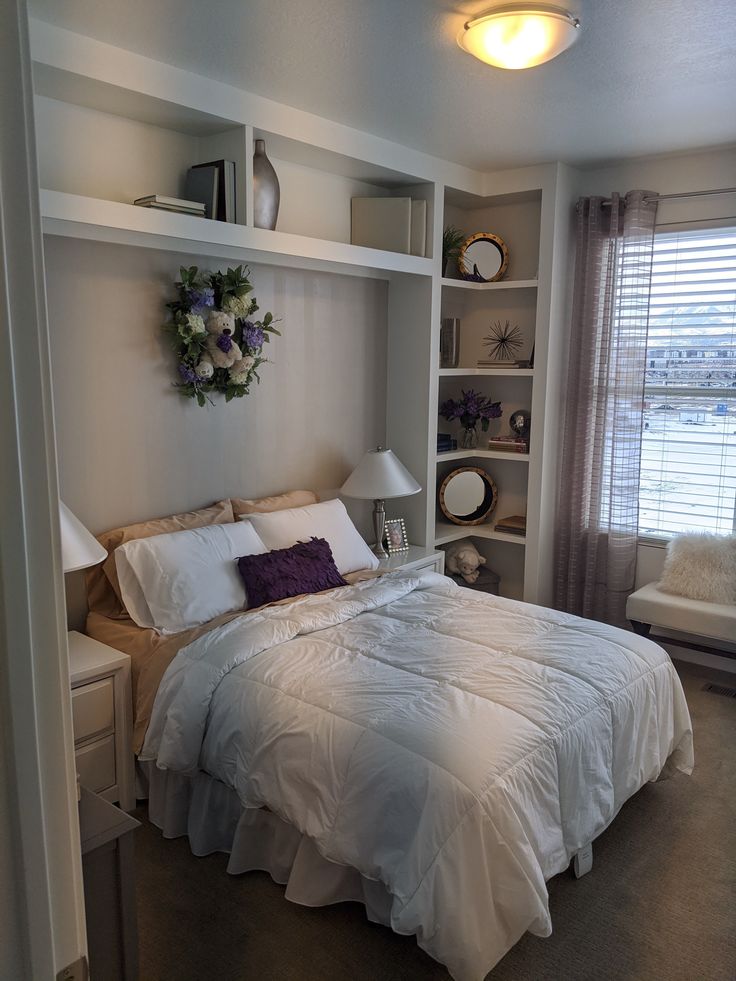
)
(80, 90)
(471, 372)
(503, 284)
(304, 154)
(75, 216)
(445, 532)
(483, 454)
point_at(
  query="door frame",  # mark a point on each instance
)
(40, 857)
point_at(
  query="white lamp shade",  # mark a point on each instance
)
(520, 35)
(79, 548)
(380, 475)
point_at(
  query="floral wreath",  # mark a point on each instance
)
(218, 347)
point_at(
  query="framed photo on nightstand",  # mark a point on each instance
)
(395, 536)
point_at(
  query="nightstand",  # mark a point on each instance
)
(106, 835)
(417, 557)
(102, 716)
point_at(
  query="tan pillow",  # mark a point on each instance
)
(279, 502)
(103, 587)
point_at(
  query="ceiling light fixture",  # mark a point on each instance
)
(520, 35)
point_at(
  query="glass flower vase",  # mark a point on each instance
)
(469, 439)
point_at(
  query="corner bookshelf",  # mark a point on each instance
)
(527, 209)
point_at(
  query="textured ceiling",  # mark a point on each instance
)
(645, 77)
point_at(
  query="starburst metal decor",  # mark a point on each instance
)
(503, 341)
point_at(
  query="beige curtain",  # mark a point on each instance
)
(598, 502)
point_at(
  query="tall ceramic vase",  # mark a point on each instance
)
(266, 191)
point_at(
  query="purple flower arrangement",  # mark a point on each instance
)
(202, 299)
(218, 347)
(471, 409)
(253, 335)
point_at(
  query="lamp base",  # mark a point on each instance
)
(379, 524)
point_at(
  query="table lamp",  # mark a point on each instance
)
(79, 548)
(378, 476)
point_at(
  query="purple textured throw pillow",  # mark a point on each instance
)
(306, 567)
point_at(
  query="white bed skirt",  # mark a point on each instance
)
(214, 820)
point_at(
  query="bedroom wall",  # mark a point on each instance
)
(670, 174)
(130, 447)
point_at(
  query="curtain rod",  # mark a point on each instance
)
(684, 194)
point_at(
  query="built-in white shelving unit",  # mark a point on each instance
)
(515, 215)
(113, 125)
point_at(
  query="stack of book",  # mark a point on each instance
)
(446, 443)
(162, 203)
(495, 363)
(511, 444)
(515, 524)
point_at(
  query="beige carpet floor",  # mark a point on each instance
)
(659, 905)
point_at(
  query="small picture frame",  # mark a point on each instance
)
(395, 536)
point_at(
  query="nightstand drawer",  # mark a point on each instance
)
(432, 563)
(96, 764)
(93, 710)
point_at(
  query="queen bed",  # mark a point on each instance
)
(433, 752)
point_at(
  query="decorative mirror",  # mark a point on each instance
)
(483, 258)
(467, 496)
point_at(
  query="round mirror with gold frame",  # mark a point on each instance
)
(483, 258)
(467, 496)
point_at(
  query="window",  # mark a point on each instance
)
(688, 458)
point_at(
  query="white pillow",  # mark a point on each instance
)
(701, 566)
(181, 579)
(330, 520)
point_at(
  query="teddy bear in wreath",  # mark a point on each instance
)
(221, 351)
(463, 559)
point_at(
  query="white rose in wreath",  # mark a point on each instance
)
(238, 373)
(238, 306)
(205, 369)
(196, 323)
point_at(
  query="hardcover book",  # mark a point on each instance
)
(515, 524)
(489, 363)
(202, 184)
(381, 223)
(418, 227)
(164, 203)
(511, 444)
(225, 210)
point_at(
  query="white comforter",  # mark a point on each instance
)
(457, 746)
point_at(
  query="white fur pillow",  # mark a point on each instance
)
(701, 567)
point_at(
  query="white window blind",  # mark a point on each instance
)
(688, 459)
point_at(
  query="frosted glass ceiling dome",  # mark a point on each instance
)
(520, 35)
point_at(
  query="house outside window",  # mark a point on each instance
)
(688, 457)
